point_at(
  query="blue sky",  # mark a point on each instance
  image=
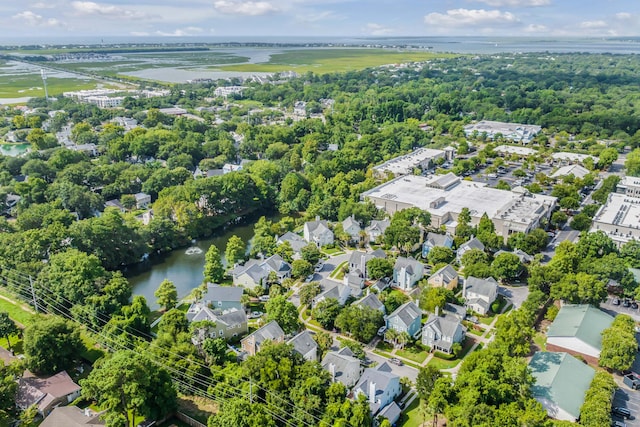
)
(221, 18)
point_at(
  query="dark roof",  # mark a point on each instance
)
(370, 301)
(270, 331)
(71, 416)
(303, 342)
(408, 313)
(483, 287)
(42, 391)
(448, 273)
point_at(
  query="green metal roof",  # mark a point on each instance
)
(583, 321)
(561, 379)
(636, 273)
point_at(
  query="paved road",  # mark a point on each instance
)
(629, 399)
(514, 294)
(401, 371)
(320, 276)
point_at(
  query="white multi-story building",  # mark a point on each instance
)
(422, 158)
(445, 196)
(225, 91)
(619, 218)
(513, 131)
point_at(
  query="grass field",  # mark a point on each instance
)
(330, 60)
(31, 85)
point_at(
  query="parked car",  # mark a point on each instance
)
(634, 305)
(382, 330)
(626, 303)
(492, 175)
(263, 298)
(255, 314)
(621, 412)
(616, 423)
(615, 301)
(396, 361)
(310, 277)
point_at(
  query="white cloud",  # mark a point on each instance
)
(248, 8)
(516, 3)
(43, 5)
(181, 32)
(108, 11)
(624, 16)
(377, 29)
(139, 33)
(34, 20)
(319, 16)
(593, 25)
(465, 18)
(536, 28)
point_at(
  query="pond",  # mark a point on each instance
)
(184, 266)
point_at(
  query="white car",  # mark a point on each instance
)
(263, 298)
(255, 314)
(382, 330)
(310, 278)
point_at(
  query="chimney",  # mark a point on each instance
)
(372, 392)
(317, 217)
(87, 412)
(464, 289)
(332, 371)
(437, 310)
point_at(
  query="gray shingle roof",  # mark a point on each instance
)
(232, 317)
(409, 263)
(407, 312)
(296, 241)
(270, 331)
(448, 273)
(223, 293)
(436, 239)
(71, 416)
(345, 365)
(378, 375)
(370, 301)
(483, 287)
(473, 243)
(303, 342)
(379, 225)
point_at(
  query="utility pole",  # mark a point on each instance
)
(33, 294)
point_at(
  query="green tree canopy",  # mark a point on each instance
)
(167, 294)
(51, 345)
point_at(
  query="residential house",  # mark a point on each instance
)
(142, 200)
(352, 228)
(46, 393)
(455, 310)
(72, 416)
(251, 344)
(343, 366)
(379, 385)
(577, 330)
(436, 240)
(440, 333)
(446, 277)
(561, 383)
(318, 232)
(229, 323)
(228, 168)
(304, 344)
(334, 290)
(473, 243)
(115, 203)
(406, 318)
(223, 297)
(255, 272)
(358, 261)
(376, 229)
(355, 284)
(295, 241)
(479, 294)
(524, 257)
(407, 272)
(391, 412)
(371, 301)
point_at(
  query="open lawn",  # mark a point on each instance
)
(413, 353)
(411, 416)
(331, 60)
(31, 85)
(19, 314)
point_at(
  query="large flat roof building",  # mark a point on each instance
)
(573, 157)
(515, 149)
(619, 218)
(444, 197)
(422, 158)
(513, 131)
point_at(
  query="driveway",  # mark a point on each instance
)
(401, 371)
(516, 295)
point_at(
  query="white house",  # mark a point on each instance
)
(473, 243)
(142, 200)
(379, 385)
(479, 294)
(440, 333)
(352, 227)
(376, 229)
(407, 272)
(318, 232)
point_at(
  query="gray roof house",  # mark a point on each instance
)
(446, 277)
(142, 200)
(435, 239)
(524, 257)
(379, 385)
(255, 272)
(371, 301)
(455, 310)
(334, 290)
(296, 242)
(352, 228)
(355, 283)
(358, 261)
(72, 416)
(343, 366)
(270, 332)
(406, 318)
(229, 323)
(473, 243)
(479, 293)
(391, 412)
(407, 272)
(223, 297)
(318, 232)
(440, 333)
(304, 344)
(376, 229)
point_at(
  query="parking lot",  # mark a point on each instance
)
(629, 399)
(613, 310)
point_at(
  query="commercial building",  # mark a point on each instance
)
(514, 149)
(573, 157)
(619, 218)
(444, 197)
(422, 158)
(513, 131)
